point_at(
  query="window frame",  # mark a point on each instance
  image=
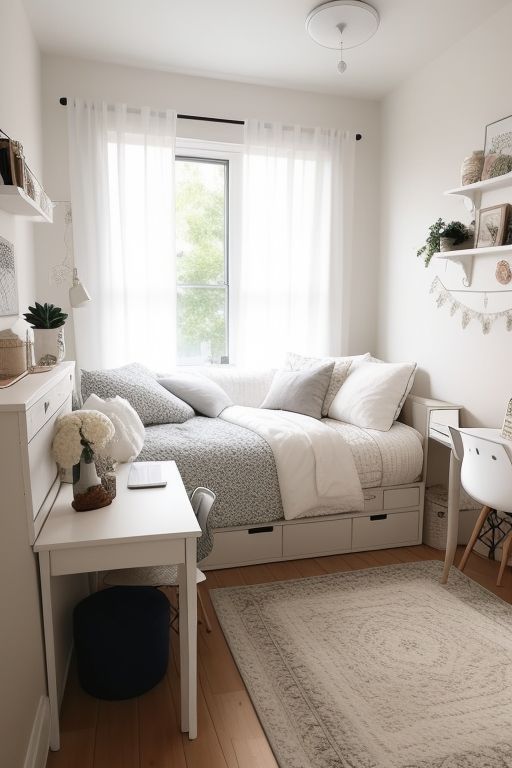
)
(230, 155)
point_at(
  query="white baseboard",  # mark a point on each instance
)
(37, 752)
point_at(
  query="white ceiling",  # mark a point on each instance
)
(262, 41)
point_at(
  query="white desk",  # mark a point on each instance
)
(145, 526)
(494, 435)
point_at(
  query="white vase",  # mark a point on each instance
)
(84, 476)
(49, 346)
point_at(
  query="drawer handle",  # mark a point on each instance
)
(370, 498)
(378, 517)
(46, 405)
(264, 529)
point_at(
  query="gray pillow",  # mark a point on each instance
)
(203, 394)
(300, 391)
(153, 403)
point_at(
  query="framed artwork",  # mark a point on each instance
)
(492, 225)
(498, 137)
(506, 430)
(8, 288)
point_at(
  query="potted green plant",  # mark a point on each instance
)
(47, 321)
(445, 237)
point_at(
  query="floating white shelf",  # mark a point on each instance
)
(465, 257)
(474, 191)
(16, 201)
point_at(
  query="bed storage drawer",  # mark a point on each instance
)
(250, 545)
(383, 529)
(372, 499)
(316, 538)
(400, 498)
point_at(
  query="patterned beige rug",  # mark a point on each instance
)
(381, 668)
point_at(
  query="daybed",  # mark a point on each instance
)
(239, 465)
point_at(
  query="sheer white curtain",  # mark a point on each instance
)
(296, 242)
(123, 206)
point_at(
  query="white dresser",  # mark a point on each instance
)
(29, 479)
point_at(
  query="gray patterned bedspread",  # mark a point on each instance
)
(234, 462)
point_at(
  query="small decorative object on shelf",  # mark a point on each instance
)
(47, 321)
(472, 167)
(13, 358)
(501, 166)
(445, 237)
(506, 430)
(503, 272)
(492, 225)
(81, 436)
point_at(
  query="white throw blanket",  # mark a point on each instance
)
(315, 467)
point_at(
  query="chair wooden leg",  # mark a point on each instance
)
(504, 557)
(204, 612)
(482, 517)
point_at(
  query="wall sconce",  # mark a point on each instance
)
(78, 294)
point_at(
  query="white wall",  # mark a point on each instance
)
(20, 118)
(220, 98)
(22, 673)
(430, 124)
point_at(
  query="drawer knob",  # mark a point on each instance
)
(378, 517)
(46, 405)
(370, 498)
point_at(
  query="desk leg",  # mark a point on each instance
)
(51, 673)
(453, 515)
(188, 639)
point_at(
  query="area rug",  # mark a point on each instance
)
(381, 668)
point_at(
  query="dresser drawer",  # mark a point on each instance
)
(42, 465)
(316, 538)
(382, 530)
(47, 406)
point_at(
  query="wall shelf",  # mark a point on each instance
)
(474, 191)
(464, 258)
(16, 201)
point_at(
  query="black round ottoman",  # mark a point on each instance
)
(121, 641)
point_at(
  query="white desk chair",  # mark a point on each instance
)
(486, 474)
(202, 500)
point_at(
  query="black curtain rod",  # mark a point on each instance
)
(63, 100)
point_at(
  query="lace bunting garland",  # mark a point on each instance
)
(486, 319)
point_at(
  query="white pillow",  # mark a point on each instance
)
(129, 436)
(203, 394)
(371, 396)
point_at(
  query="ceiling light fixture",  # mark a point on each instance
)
(341, 25)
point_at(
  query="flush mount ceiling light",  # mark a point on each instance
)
(342, 24)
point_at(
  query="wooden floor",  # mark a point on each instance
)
(144, 732)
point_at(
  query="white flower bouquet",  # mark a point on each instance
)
(81, 435)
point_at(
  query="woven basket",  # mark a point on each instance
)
(435, 517)
(13, 357)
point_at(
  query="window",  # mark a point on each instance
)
(202, 263)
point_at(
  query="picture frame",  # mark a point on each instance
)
(492, 226)
(8, 284)
(506, 430)
(498, 137)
